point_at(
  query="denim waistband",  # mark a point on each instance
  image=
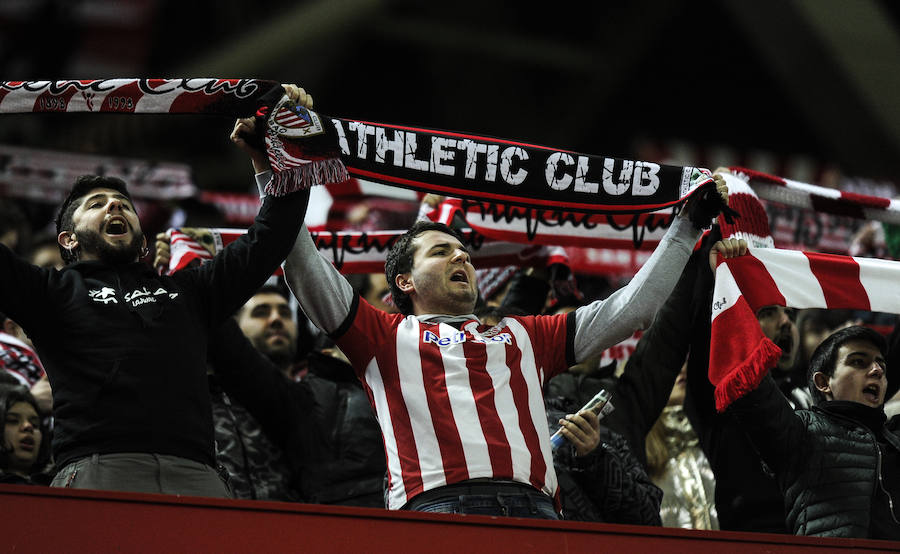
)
(476, 487)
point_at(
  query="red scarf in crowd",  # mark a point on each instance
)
(821, 199)
(740, 355)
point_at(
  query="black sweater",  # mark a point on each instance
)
(125, 349)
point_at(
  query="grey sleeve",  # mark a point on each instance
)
(324, 295)
(604, 323)
(322, 292)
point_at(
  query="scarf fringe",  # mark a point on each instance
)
(317, 172)
(747, 375)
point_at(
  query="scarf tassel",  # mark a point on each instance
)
(747, 375)
(302, 177)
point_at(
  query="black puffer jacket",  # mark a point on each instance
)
(352, 469)
(827, 463)
(323, 423)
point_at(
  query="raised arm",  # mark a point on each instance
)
(770, 422)
(644, 388)
(23, 290)
(324, 295)
(244, 265)
(604, 323)
(286, 411)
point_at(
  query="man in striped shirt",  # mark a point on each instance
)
(460, 403)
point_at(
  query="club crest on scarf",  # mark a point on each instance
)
(291, 120)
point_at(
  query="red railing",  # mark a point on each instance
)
(37, 519)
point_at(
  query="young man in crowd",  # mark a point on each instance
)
(320, 424)
(838, 463)
(257, 465)
(125, 348)
(460, 404)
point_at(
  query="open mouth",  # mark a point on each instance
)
(786, 343)
(872, 393)
(459, 277)
(116, 226)
(27, 443)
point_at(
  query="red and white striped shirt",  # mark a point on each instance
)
(457, 404)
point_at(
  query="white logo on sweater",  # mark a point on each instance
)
(136, 297)
(104, 295)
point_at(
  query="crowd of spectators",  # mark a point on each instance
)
(283, 402)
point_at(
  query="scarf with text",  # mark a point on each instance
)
(303, 146)
(740, 355)
(357, 251)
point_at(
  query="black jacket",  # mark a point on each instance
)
(747, 496)
(828, 463)
(257, 468)
(323, 423)
(125, 348)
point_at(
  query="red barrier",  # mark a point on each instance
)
(37, 519)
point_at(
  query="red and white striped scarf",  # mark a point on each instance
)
(20, 360)
(740, 355)
(820, 199)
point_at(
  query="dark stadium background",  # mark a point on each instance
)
(777, 84)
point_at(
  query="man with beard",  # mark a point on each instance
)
(321, 439)
(248, 426)
(125, 348)
(747, 496)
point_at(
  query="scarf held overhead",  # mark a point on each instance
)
(303, 147)
(740, 355)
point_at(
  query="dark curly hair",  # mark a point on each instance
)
(400, 259)
(83, 185)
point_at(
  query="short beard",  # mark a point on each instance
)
(280, 357)
(91, 241)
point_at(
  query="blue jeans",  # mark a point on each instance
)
(486, 498)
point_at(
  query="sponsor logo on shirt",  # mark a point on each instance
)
(136, 297)
(460, 337)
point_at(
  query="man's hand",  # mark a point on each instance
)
(246, 128)
(163, 253)
(721, 187)
(201, 235)
(892, 406)
(582, 430)
(43, 395)
(704, 204)
(728, 248)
